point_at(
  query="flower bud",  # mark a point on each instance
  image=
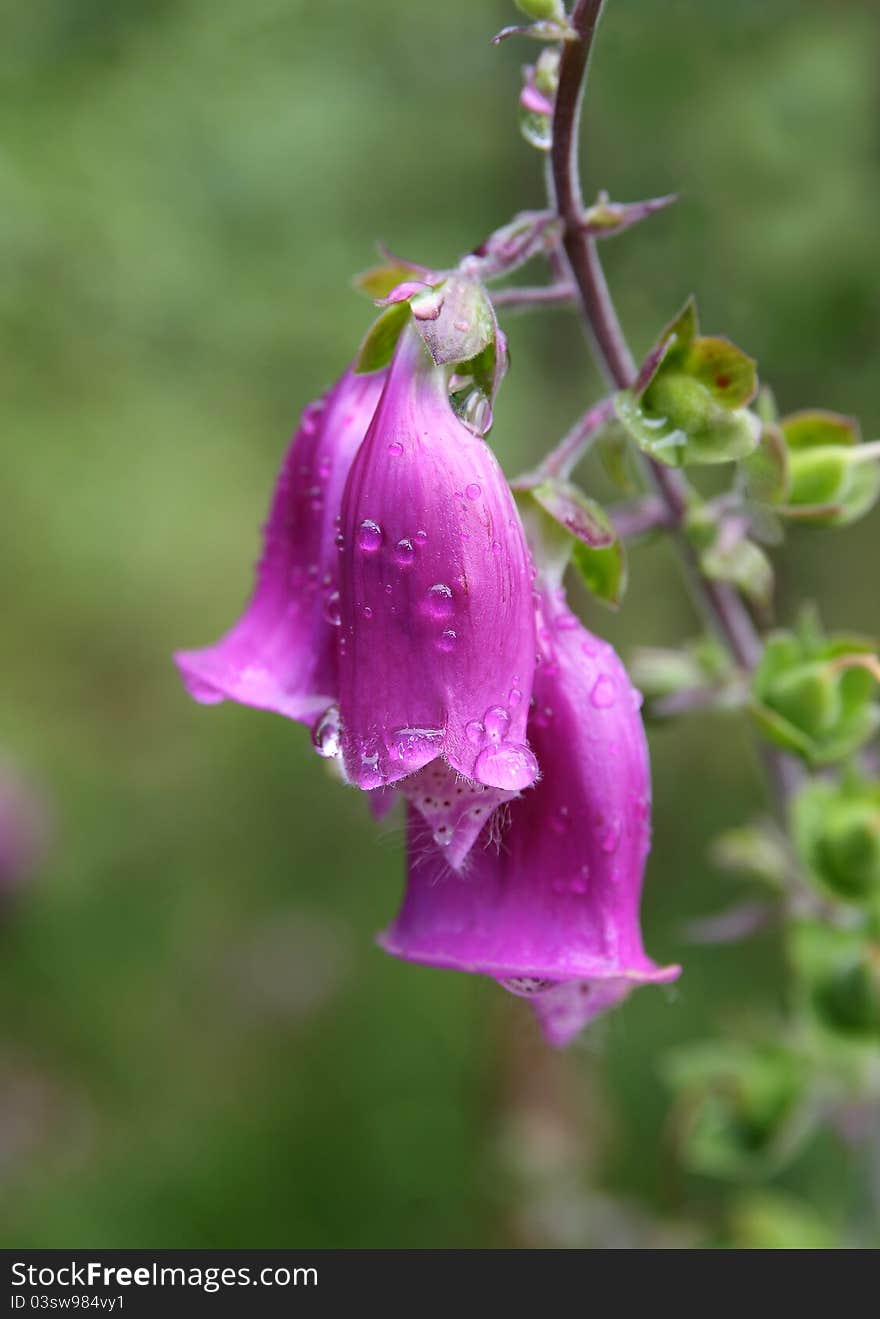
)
(542, 11)
(840, 972)
(837, 833)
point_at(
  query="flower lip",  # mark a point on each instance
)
(281, 654)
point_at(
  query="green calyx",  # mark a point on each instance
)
(745, 1107)
(815, 696)
(839, 972)
(689, 406)
(837, 835)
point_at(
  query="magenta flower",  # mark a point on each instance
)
(551, 908)
(281, 655)
(437, 645)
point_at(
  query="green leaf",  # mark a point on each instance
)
(379, 281)
(616, 456)
(757, 851)
(604, 572)
(744, 565)
(729, 375)
(597, 553)
(381, 338)
(581, 516)
(766, 470)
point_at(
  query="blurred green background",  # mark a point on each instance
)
(200, 1044)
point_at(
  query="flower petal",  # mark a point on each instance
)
(554, 911)
(438, 636)
(281, 654)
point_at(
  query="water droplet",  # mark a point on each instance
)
(508, 765)
(340, 541)
(602, 695)
(476, 732)
(370, 774)
(331, 609)
(439, 603)
(514, 697)
(496, 721)
(404, 553)
(420, 537)
(369, 536)
(327, 734)
(367, 612)
(496, 546)
(475, 411)
(388, 588)
(473, 491)
(446, 640)
(565, 622)
(414, 744)
(609, 838)
(395, 448)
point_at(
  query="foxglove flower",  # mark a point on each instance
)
(437, 644)
(552, 911)
(281, 654)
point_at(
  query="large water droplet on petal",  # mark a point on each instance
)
(327, 734)
(404, 553)
(439, 603)
(475, 410)
(331, 610)
(369, 536)
(506, 765)
(414, 744)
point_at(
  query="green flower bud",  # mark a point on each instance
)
(818, 476)
(808, 696)
(840, 970)
(849, 851)
(814, 695)
(837, 834)
(744, 1105)
(543, 11)
(685, 402)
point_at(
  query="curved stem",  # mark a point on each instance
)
(721, 605)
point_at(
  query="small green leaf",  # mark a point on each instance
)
(616, 456)
(581, 516)
(379, 281)
(744, 565)
(381, 339)
(604, 572)
(757, 851)
(729, 375)
(766, 470)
